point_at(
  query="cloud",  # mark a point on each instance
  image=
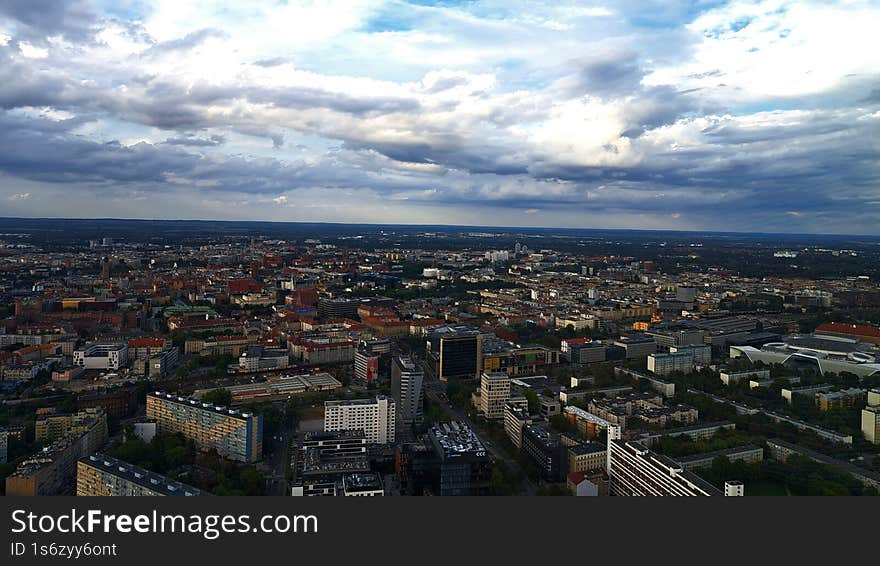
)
(517, 109)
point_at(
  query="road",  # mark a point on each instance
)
(275, 466)
(432, 390)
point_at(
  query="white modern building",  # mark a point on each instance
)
(101, 356)
(376, 417)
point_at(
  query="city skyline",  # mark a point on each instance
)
(723, 116)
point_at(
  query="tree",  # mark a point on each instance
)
(221, 397)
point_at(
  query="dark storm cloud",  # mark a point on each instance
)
(606, 74)
(38, 19)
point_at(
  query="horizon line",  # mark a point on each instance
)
(442, 225)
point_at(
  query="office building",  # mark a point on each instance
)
(102, 356)
(101, 475)
(376, 417)
(464, 466)
(494, 394)
(455, 352)
(235, 434)
(362, 485)
(636, 347)
(406, 387)
(545, 449)
(633, 470)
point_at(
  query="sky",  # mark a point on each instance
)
(702, 115)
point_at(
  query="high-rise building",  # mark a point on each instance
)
(376, 417)
(464, 466)
(366, 366)
(871, 424)
(406, 387)
(234, 434)
(734, 488)
(456, 352)
(101, 475)
(494, 394)
(635, 470)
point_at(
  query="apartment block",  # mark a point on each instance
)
(234, 434)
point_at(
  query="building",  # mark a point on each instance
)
(734, 488)
(234, 434)
(503, 356)
(101, 475)
(545, 449)
(258, 358)
(362, 485)
(871, 424)
(667, 338)
(102, 356)
(317, 350)
(4, 446)
(455, 352)
(52, 471)
(587, 456)
(51, 427)
(494, 394)
(464, 465)
(583, 351)
(279, 387)
(695, 432)
(406, 387)
(665, 363)
(118, 402)
(366, 366)
(376, 417)
(748, 453)
(516, 417)
(219, 346)
(324, 459)
(845, 398)
(819, 353)
(788, 393)
(633, 470)
(157, 365)
(636, 347)
(846, 330)
(729, 377)
(702, 354)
